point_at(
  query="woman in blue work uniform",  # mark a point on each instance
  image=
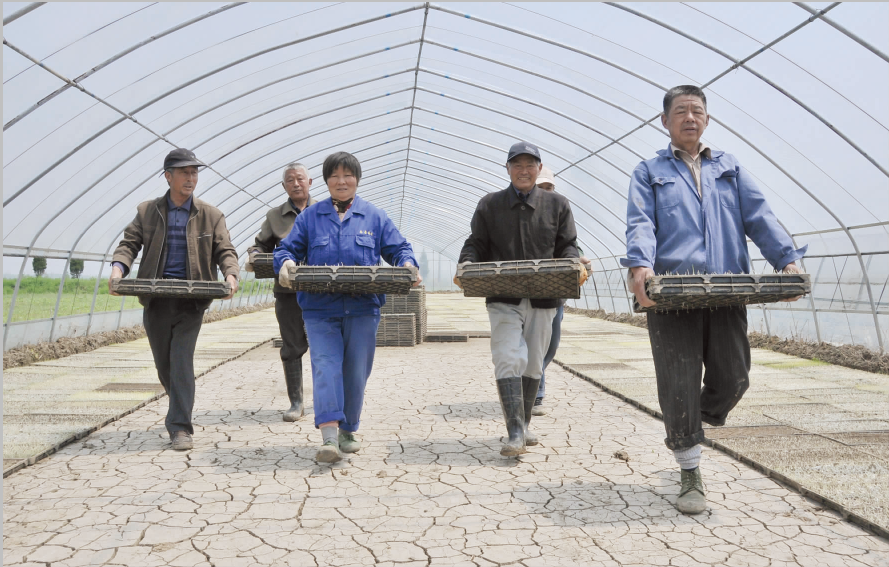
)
(342, 230)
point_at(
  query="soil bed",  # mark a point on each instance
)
(66, 346)
(850, 356)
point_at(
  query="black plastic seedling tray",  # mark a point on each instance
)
(681, 293)
(186, 289)
(263, 266)
(414, 302)
(353, 279)
(533, 279)
(397, 330)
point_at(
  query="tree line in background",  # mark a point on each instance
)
(38, 264)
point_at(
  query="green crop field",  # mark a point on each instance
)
(37, 297)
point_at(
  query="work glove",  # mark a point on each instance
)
(457, 282)
(583, 274)
(284, 274)
(248, 265)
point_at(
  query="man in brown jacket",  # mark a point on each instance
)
(183, 238)
(277, 225)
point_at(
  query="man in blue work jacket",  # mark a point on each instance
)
(688, 211)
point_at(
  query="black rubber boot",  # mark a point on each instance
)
(529, 387)
(293, 376)
(510, 391)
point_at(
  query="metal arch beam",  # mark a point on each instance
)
(111, 60)
(839, 28)
(545, 40)
(605, 207)
(356, 151)
(605, 101)
(280, 148)
(291, 103)
(416, 80)
(758, 75)
(829, 211)
(125, 115)
(250, 213)
(180, 87)
(458, 203)
(557, 155)
(293, 76)
(531, 103)
(26, 10)
(460, 173)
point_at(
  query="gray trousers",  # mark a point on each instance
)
(520, 336)
(682, 344)
(172, 326)
(290, 323)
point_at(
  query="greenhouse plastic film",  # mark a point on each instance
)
(186, 289)
(533, 279)
(679, 293)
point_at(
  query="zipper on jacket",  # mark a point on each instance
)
(157, 271)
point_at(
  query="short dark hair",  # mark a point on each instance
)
(345, 159)
(681, 90)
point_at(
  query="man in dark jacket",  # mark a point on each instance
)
(522, 222)
(183, 238)
(277, 225)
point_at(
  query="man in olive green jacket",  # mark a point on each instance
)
(277, 225)
(183, 238)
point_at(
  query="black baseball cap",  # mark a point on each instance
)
(520, 148)
(180, 157)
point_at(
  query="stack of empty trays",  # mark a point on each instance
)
(415, 303)
(397, 329)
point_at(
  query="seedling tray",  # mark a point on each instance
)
(263, 268)
(397, 330)
(533, 279)
(186, 289)
(353, 280)
(414, 302)
(681, 293)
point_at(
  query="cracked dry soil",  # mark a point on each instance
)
(428, 487)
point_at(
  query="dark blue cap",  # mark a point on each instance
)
(520, 148)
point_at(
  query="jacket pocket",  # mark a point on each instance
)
(666, 194)
(364, 249)
(320, 253)
(727, 186)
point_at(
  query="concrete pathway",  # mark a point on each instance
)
(428, 488)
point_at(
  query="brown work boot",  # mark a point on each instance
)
(181, 441)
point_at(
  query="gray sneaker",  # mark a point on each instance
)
(348, 443)
(329, 453)
(692, 498)
(181, 441)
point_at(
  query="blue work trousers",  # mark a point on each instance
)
(342, 353)
(553, 347)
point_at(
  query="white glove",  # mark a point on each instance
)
(284, 274)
